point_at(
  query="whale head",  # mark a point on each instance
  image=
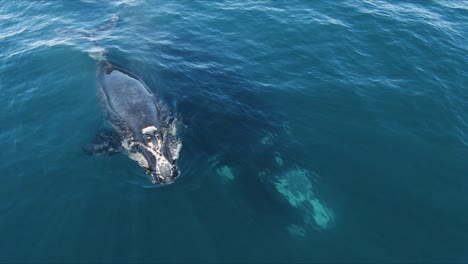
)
(157, 153)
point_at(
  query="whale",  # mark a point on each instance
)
(138, 122)
(141, 125)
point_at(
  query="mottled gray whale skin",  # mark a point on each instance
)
(145, 127)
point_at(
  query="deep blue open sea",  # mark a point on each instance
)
(314, 131)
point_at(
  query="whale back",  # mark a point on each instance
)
(126, 96)
(145, 126)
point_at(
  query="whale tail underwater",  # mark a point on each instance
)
(139, 124)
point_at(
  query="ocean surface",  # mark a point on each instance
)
(314, 131)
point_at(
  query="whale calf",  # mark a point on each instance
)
(142, 126)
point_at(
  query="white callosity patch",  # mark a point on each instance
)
(163, 165)
(297, 189)
(128, 145)
(149, 129)
(175, 145)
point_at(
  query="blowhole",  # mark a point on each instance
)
(109, 70)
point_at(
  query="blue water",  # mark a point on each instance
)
(314, 131)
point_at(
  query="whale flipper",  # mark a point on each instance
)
(105, 142)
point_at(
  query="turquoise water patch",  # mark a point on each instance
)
(226, 173)
(287, 128)
(370, 94)
(296, 187)
(223, 171)
(296, 230)
(321, 215)
(278, 159)
(267, 139)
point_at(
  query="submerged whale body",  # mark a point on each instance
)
(146, 131)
